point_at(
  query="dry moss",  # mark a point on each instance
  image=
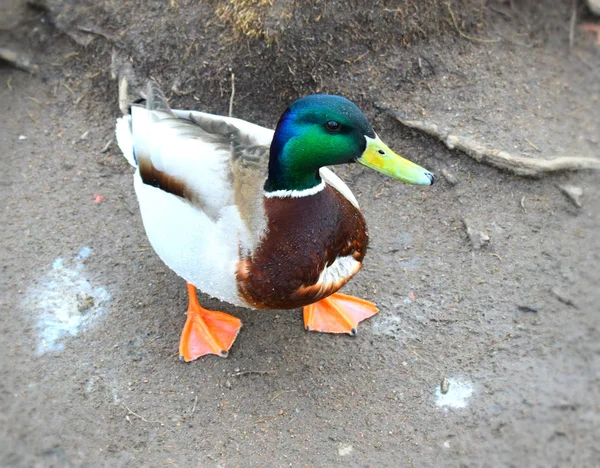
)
(245, 17)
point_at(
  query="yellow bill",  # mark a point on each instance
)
(379, 156)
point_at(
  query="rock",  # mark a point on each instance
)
(451, 178)
(527, 308)
(84, 302)
(478, 239)
(444, 386)
(573, 193)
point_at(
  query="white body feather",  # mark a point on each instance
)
(200, 245)
(198, 249)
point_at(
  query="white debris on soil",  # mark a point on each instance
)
(458, 392)
(345, 449)
(393, 325)
(65, 301)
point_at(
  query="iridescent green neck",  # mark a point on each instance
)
(294, 166)
(293, 181)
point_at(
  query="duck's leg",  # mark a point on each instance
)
(338, 313)
(206, 331)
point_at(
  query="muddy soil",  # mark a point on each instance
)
(89, 373)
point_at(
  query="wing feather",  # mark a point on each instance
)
(211, 161)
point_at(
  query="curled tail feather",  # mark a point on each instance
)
(155, 100)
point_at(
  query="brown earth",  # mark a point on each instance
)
(513, 326)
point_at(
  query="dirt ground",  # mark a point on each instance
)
(89, 372)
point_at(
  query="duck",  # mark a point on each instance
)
(254, 217)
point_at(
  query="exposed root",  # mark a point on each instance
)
(572, 25)
(17, 60)
(129, 89)
(232, 97)
(519, 165)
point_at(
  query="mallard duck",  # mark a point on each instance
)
(253, 217)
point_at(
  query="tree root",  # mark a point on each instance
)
(519, 165)
(18, 60)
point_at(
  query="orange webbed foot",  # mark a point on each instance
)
(206, 331)
(338, 313)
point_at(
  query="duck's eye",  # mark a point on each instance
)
(333, 126)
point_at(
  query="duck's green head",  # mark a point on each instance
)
(322, 130)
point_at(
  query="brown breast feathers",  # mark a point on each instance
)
(304, 236)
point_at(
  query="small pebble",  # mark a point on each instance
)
(526, 308)
(451, 178)
(444, 386)
(574, 194)
(478, 239)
